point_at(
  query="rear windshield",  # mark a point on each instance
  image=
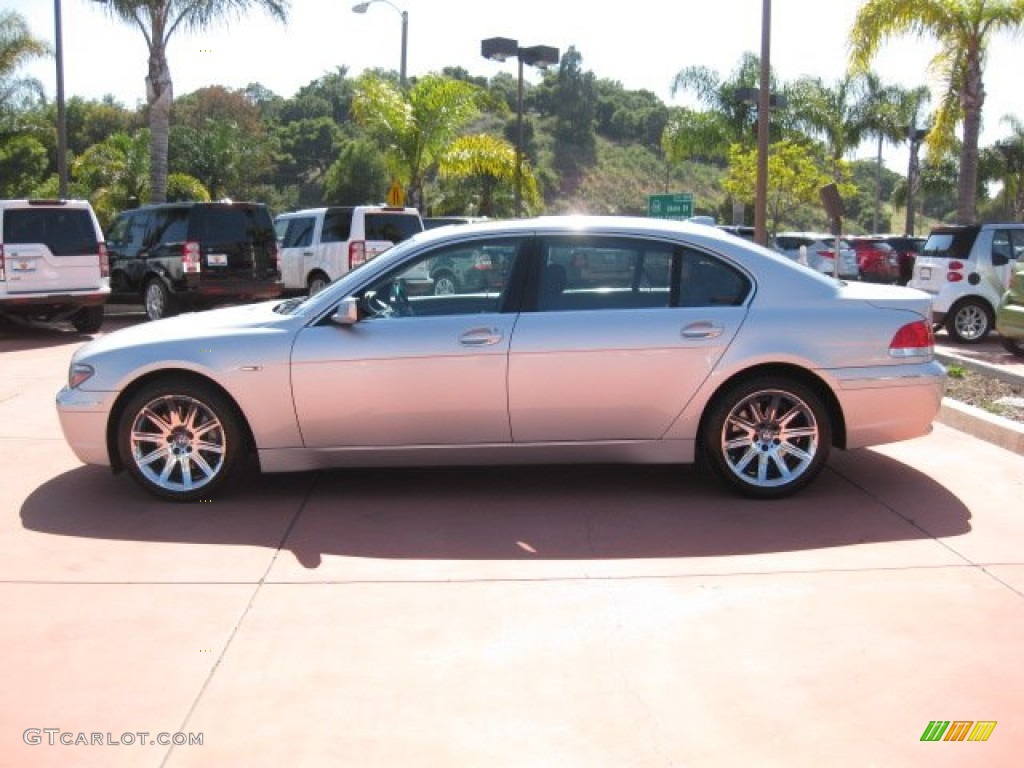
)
(65, 231)
(233, 224)
(393, 227)
(952, 244)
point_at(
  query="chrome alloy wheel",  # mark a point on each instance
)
(770, 438)
(177, 443)
(970, 323)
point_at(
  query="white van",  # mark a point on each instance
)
(966, 269)
(319, 245)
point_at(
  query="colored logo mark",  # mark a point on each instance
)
(958, 730)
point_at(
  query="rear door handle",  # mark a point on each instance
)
(480, 337)
(702, 330)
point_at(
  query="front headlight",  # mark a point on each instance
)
(78, 374)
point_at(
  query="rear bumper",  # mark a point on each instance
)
(886, 404)
(212, 291)
(1010, 321)
(52, 303)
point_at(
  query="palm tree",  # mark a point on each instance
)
(158, 20)
(838, 114)
(17, 46)
(963, 29)
(487, 161)
(414, 126)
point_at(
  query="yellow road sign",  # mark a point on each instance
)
(396, 195)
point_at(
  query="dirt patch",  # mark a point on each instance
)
(985, 392)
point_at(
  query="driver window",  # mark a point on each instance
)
(465, 278)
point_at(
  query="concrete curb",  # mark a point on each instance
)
(983, 425)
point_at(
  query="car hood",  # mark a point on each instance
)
(220, 323)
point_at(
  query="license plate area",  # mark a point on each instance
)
(926, 273)
(217, 259)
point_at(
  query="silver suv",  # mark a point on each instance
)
(53, 262)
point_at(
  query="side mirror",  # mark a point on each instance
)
(348, 312)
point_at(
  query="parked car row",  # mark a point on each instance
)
(56, 265)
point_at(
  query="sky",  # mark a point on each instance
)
(642, 44)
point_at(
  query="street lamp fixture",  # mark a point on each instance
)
(362, 7)
(540, 56)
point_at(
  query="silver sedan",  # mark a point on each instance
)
(590, 340)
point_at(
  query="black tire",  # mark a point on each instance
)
(767, 438)
(158, 438)
(317, 282)
(1014, 346)
(88, 319)
(445, 283)
(969, 321)
(156, 300)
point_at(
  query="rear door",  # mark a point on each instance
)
(618, 358)
(50, 249)
(297, 237)
(235, 241)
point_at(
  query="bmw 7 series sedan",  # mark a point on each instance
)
(677, 343)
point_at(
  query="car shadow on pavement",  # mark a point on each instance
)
(511, 513)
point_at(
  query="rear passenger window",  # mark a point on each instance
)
(392, 227)
(605, 273)
(705, 281)
(337, 226)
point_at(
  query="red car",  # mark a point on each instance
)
(877, 260)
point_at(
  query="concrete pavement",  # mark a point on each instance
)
(504, 617)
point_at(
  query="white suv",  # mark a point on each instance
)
(53, 262)
(966, 269)
(319, 245)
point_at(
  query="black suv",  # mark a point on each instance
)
(174, 255)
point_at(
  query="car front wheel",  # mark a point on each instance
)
(1014, 346)
(180, 439)
(445, 284)
(767, 438)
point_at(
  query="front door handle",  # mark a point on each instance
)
(480, 337)
(702, 330)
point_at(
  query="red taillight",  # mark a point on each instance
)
(956, 265)
(356, 254)
(826, 254)
(913, 340)
(191, 261)
(954, 277)
(277, 256)
(104, 261)
(3, 274)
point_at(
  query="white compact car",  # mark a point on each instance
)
(319, 245)
(966, 270)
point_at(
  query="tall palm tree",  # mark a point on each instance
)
(17, 46)
(158, 20)
(963, 30)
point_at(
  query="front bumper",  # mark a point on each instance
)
(83, 420)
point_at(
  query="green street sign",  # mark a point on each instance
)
(678, 206)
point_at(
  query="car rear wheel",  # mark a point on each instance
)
(88, 319)
(767, 438)
(969, 321)
(445, 284)
(180, 439)
(157, 300)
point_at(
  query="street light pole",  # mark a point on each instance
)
(62, 125)
(361, 8)
(541, 56)
(763, 101)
